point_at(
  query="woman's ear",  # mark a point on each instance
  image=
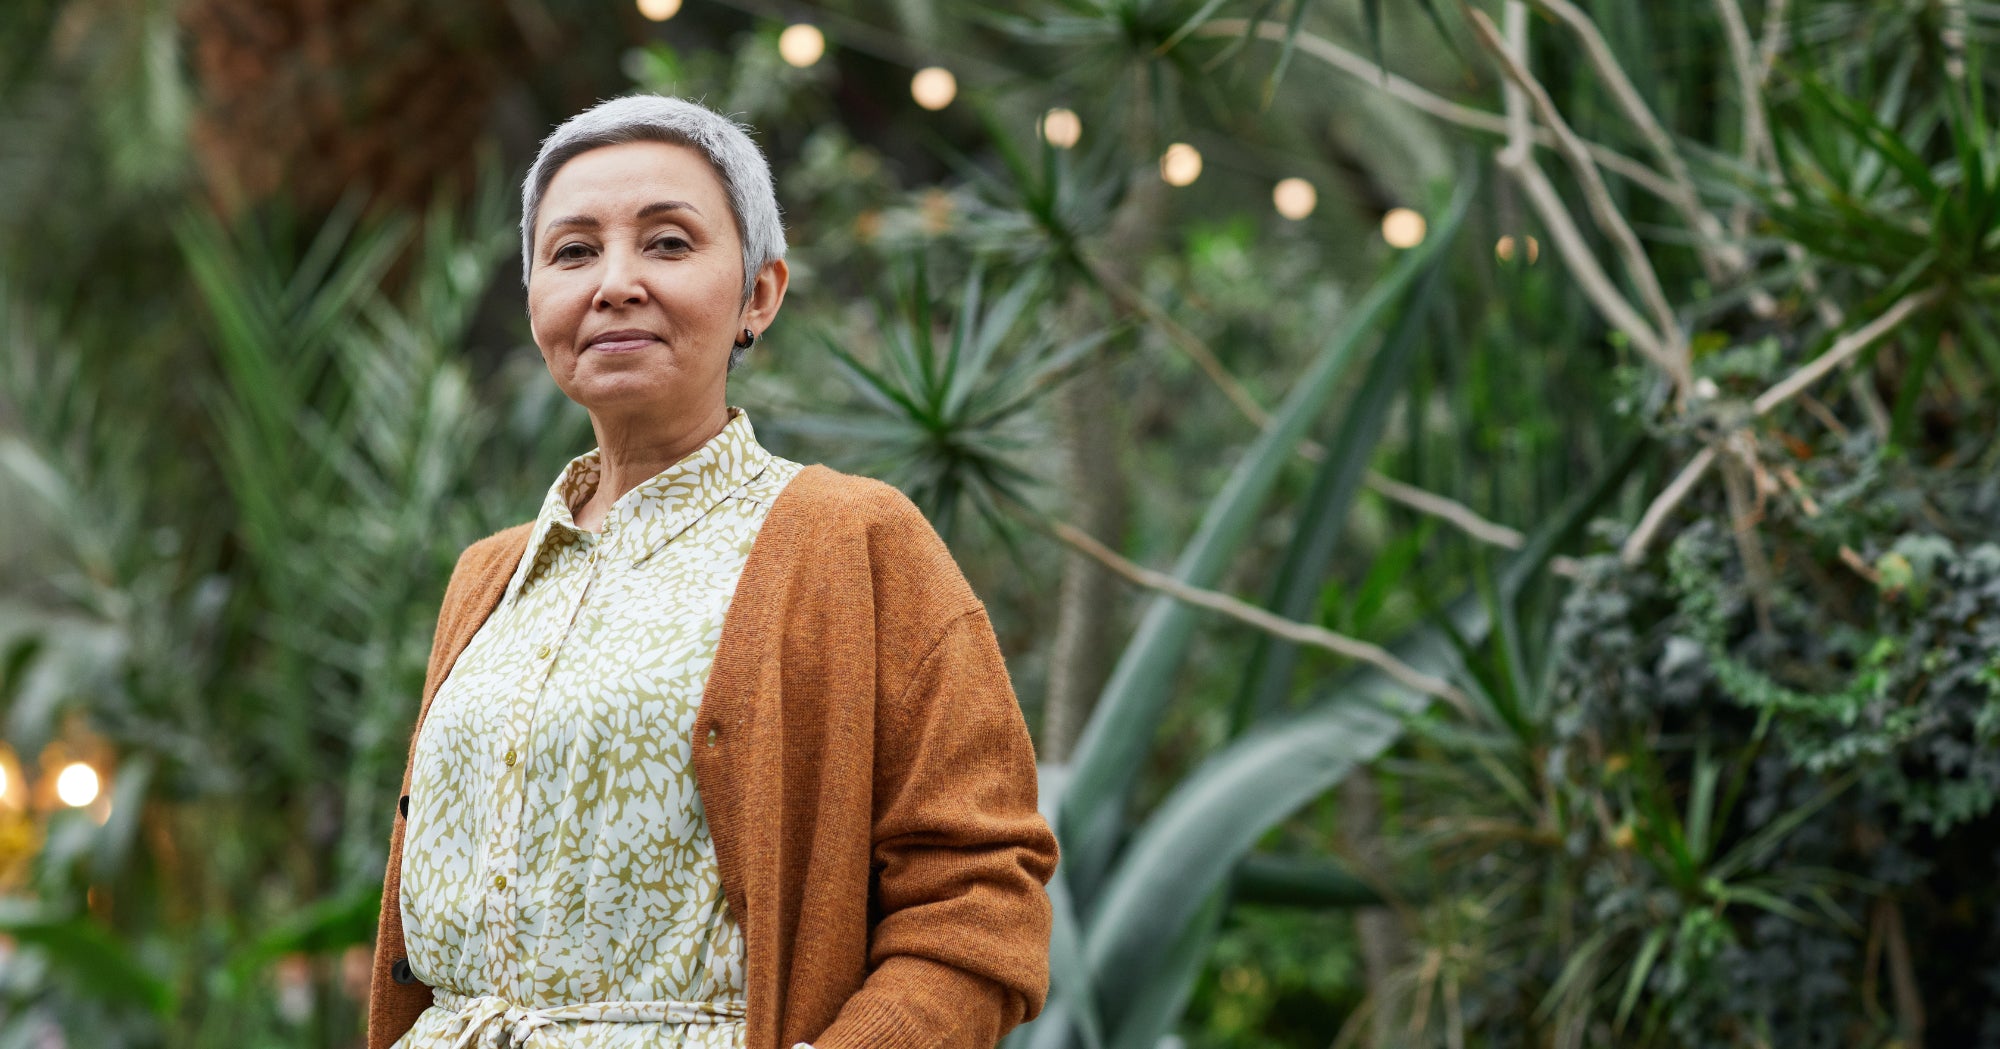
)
(766, 295)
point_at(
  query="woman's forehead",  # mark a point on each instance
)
(617, 183)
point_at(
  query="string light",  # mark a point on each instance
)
(1295, 198)
(659, 10)
(1180, 165)
(934, 87)
(1506, 248)
(1061, 128)
(77, 785)
(801, 45)
(1403, 228)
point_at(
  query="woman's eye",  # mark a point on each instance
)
(564, 253)
(672, 243)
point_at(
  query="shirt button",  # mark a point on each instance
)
(510, 759)
(542, 652)
(499, 881)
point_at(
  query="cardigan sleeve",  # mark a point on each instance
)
(959, 955)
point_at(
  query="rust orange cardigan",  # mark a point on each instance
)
(867, 776)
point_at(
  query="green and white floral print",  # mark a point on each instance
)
(559, 884)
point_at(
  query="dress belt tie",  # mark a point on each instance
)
(489, 1021)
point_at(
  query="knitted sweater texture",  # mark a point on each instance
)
(867, 778)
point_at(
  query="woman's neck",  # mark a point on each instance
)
(631, 450)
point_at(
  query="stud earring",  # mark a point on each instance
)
(748, 340)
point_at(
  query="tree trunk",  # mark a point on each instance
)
(1080, 655)
(1384, 944)
(308, 100)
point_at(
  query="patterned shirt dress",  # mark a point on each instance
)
(560, 889)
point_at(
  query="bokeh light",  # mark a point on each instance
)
(77, 786)
(1295, 198)
(1061, 128)
(1180, 165)
(1403, 228)
(659, 10)
(801, 45)
(934, 87)
(1506, 248)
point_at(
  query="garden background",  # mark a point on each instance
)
(1490, 505)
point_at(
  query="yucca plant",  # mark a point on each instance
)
(948, 419)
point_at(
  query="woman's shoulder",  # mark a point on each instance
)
(487, 563)
(830, 502)
(502, 547)
(824, 510)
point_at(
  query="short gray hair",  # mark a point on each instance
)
(746, 178)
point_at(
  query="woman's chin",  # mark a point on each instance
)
(613, 388)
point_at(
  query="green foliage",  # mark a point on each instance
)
(324, 417)
(1109, 754)
(1921, 710)
(1279, 978)
(949, 423)
(1705, 818)
(1734, 790)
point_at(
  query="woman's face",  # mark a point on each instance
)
(635, 294)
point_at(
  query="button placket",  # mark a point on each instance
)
(502, 888)
(510, 796)
(539, 677)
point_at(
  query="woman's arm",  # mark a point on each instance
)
(959, 954)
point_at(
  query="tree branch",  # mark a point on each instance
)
(1583, 265)
(1749, 67)
(1245, 612)
(1519, 161)
(1773, 41)
(1514, 101)
(1464, 518)
(1129, 299)
(1843, 349)
(1444, 109)
(1457, 514)
(1672, 347)
(1656, 514)
(1721, 259)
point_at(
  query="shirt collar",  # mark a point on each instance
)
(663, 506)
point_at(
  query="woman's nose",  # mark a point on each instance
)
(622, 284)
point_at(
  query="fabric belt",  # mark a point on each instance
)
(489, 1021)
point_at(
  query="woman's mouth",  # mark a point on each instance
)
(622, 341)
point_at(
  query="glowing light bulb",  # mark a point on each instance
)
(934, 87)
(77, 785)
(801, 45)
(4, 783)
(1403, 228)
(1295, 198)
(659, 10)
(1180, 165)
(1061, 128)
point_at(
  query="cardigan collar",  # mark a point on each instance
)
(648, 517)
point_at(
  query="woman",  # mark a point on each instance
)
(718, 751)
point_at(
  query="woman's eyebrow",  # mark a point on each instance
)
(657, 207)
(590, 222)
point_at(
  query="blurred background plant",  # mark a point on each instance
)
(1485, 503)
